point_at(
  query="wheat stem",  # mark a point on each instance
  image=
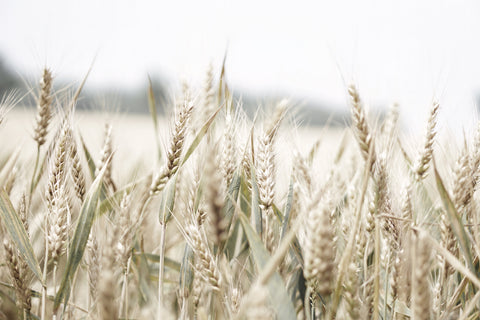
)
(44, 279)
(123, 307)
(376, 279)
(163, 228)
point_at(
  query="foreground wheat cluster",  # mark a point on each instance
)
(230, 225)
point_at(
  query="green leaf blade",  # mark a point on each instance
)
(91, 163)
(200, 135)
(80, 237)
(279, 297)
(18, 234)
(455, 220)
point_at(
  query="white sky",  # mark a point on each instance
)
(406, 51)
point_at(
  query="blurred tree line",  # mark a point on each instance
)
(91, 99)
(8, 80)
(136, 101)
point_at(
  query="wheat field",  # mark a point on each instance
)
(207, 214)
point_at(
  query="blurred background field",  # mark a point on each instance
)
(134, 138)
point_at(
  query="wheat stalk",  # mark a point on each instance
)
(319, 252)
(205, 264)
(266, 174)
(107, 283)
(215, 201)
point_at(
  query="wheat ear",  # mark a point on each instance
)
(463, 186)
(57, 199)
(205, 264)
(44, 106)
(423, 162)
(18, 268)
(107, 283)
(215, 200)
(207, 96)
(266, 174)
(319, 252)
(229, 160)
(420, 271)
(77, 171)
(175, 150)
(360, 124)
(105, 158)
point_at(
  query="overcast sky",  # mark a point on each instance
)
(396, 51)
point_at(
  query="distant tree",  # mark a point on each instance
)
(134, 100)
(8, 80)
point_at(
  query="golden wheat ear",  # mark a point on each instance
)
(175, 150)
(360, 125)
(421, 296)
(423, 161)
(44, 107)
(18, 268)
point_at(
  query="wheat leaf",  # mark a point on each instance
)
(80, 237)
(288, 208)
(168, 201)
(115, 199)
(200, 135)
(232, 196)
(91, 163)
(186, 269)
(278, 294)
(256, 211)
(455, 220)
(18, 234)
